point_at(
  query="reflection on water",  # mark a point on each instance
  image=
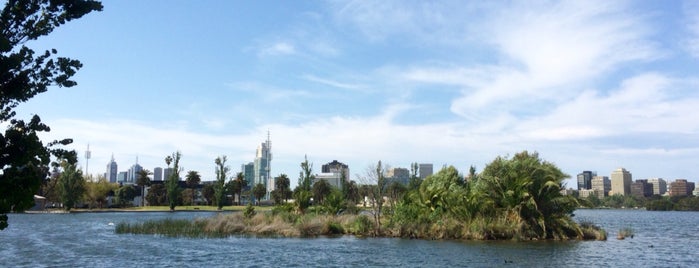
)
(88, 240)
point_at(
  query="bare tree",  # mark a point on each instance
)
(375, 178)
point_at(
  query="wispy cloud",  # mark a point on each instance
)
(332, 83)
(276, 49)
(553, 52)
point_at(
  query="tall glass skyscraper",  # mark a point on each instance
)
(112, 172)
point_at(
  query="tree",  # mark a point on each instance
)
(221, 174)
(25, 159)
(350, 191)
(173, 188)
(157, 195)
(259, 191)
(96, 191)
(192, 179)
(375, 175)
(320, 190)
(305, 176)
(238, 184)
(208, 193)
(525, 190)
(125, 194)
(142, 181)
(282, 188)
(71, 185)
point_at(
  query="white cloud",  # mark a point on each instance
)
(550, 55)
(332, 83)
(277, 49)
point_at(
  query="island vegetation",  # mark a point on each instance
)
(514, 198)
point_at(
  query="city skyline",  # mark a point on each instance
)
(588, 85)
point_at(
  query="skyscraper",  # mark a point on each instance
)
(158, 174)
(585, 179)
(111, 174)
(425, 170)
(621, 181)
(601, 185)
(133, 172)
(659, 186)
(337, 168)
(248, 172)
(263, 157)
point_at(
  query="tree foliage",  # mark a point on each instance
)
(143, 180)
(221, 174)
(96, 192)
(192, 179)
(306, 175)
(24, 74)
(282, 188)
(172, 183)
(321, 189)
(125, 194)
(157, 195)
(71, 186)
(259, 191)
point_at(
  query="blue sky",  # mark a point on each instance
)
(590, 85)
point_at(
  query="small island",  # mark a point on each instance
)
(517, 198)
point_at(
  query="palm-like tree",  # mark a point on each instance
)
(239, 185)
(193, 179)
(143, 180)
(526, 191)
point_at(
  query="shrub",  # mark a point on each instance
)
(249, 211)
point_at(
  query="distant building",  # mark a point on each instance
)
(112, 172)
(158, 174)
(641, 188)
(425, 170)
(337, 167)
(334, 179)
(248, 172)
(659, 186)
(585, 193)
(585, 180)
(621, 181)
(167, 172)
(681, 187)
(122, 176)
(133, 172)
(602, 185)
(263, 159)
(400, 175)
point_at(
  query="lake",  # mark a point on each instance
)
(667, 239)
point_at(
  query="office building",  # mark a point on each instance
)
(585, 180)
(425, 170)
(133, 172)
(248, 171)
(112, 172)
(122, 177)
(263, 159)
(338, 168)
(659, 186)
(621, 182)
(641, 188)
(681, 187)
(158, 174)
(601, 185)
(400, 175)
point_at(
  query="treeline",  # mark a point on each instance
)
(656, 202)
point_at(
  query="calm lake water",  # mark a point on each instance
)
(663, 239)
